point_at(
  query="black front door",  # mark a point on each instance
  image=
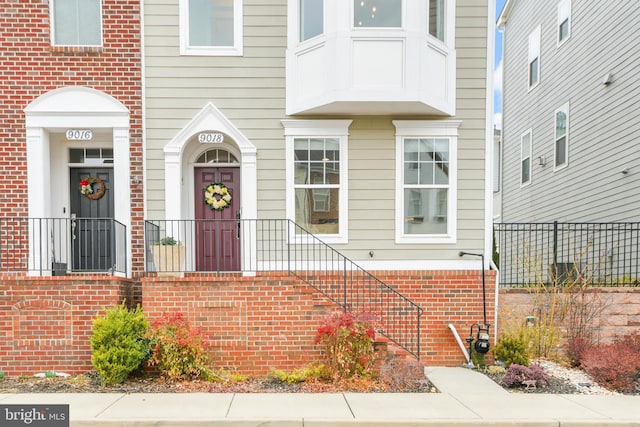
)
(92, 219)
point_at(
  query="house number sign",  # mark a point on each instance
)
(210, 137)
(79, 135)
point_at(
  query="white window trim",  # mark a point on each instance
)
(53, 30)
(530, 133)
(533, 53)
(427, 129)
(565, 109)
(564, 13)
(320, 129)
(235, 50)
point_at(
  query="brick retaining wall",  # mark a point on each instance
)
(45, 323)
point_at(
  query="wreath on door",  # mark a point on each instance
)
(87, 187)
(217, 196)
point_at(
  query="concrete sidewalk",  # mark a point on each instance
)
(467, 398)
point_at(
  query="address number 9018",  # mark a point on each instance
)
(210, 138)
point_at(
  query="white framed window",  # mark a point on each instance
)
(311, 18)
(561, 141)
(317, 181)
(564, 21)
(437, 18)
(426, 180)
(534, 58)
(76, 22)
(211, 27)
(525, 158)
(377, 13)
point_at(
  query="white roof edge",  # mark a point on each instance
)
(502, 19)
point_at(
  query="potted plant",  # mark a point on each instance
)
(169, 257)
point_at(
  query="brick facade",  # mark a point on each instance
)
(31, 67)
(46, 323)
(252, 323)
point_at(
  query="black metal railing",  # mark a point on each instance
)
(59, 246)
(245, 245)
(598, 254)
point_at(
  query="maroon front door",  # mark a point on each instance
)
(217, 231)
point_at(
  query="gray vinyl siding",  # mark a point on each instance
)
(250, 92)
(604, 121)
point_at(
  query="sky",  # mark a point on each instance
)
(497, 75)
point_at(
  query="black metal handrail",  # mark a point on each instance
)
(280, 245)
(595, 254)
(58, 246)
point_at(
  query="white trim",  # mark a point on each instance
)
(76, 107)
(490, 140)
(533, 54)
(179, 170)
(235, 50)
(427, 129)
(321, 129)
(53, 31)
(564, 13)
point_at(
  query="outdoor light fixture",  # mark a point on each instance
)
(482, 339)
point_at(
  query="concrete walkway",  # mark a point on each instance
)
(467, 398)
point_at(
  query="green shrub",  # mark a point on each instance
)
(1, 375)
(348, 344)
(512, 348)
(178, 349)
(118, 346)
(317, 372)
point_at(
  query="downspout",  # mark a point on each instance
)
(461, 344)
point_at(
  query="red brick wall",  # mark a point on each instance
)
(254, 324)
(31, 67)
(46, 323)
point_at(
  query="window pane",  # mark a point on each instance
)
(317, 210)
(561, 151)
(77, 22)
(533, 72)
(525, 170)
(436, 18)
(425, 211)
(377, 13)
(210, 22)
(563, 31)
(311, 18)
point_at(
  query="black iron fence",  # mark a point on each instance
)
(251, 246)
(598, 254)
(58, 246)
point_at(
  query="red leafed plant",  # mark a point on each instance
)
(614, 365)
(178, 349)
(347, 339)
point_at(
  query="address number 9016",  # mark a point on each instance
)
(79, 135)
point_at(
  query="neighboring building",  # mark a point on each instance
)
(570, 121)
(368, 124)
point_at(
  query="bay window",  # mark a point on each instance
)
(311, 18)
